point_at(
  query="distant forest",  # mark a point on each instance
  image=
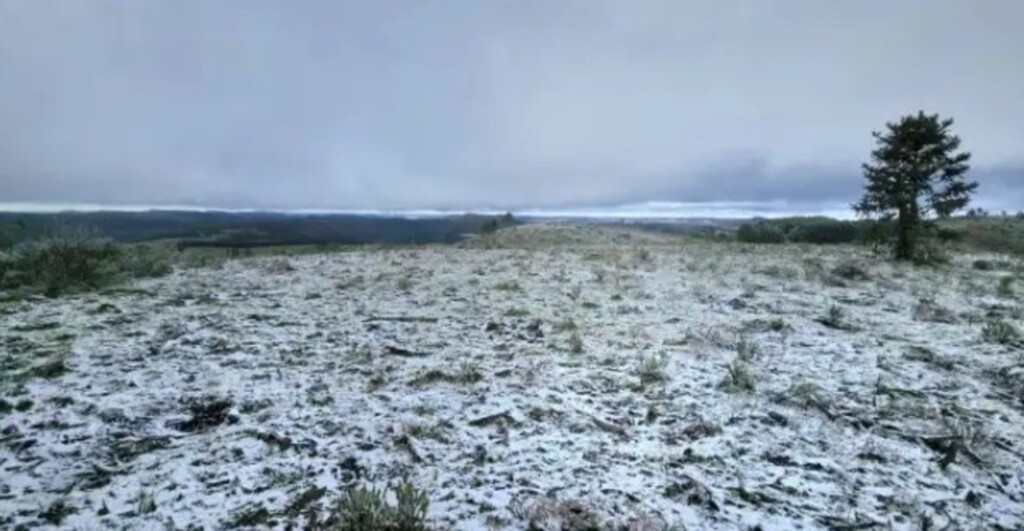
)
(255, 229)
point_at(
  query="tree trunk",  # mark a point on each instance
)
(905, 236)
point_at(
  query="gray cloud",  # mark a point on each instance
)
(466, 104)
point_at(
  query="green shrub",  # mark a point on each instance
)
(945, 234)
(10, 234)
(826, 232)
(651, 370)
(739, 377)
(575, 342)
(145, 261)
(930, 252)
(984, 265)
(1005, 288)
(70, 261)
(762, 232)
(1000, 332)
(73, 261)
(850, 271)
(362, 509)
(817, 230)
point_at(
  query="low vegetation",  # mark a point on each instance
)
(75, 261)
(1004, 235)
(1000, 332)
(817, 230)
(363, 509)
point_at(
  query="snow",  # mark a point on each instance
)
(308, 353)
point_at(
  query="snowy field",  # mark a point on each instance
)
(568, 378)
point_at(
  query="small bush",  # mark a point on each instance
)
(1000, 332)
(249, 517)
(930, 311)
(575, 342)
(925, 355)
(145, 503)
(780, 272)
(826, 232)
(194, 258)
(930, 252)
(746, 350)
(57, 512)
(1005, 288)
(469, 373)
(145, 261)
(834, 318)
(73, 261)
(651, 370)
(760, 233)
(548, 513)
(947, 235)
(739, 377)
(850, 271)
(54, 368)
(362, 509)
(279, 266)
(805, 395)
(984, 265)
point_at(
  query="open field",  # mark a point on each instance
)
(554, 376)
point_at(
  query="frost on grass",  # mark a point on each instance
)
(553, 376)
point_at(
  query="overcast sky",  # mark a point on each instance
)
(492, 104)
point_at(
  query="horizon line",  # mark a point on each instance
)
(643, 210)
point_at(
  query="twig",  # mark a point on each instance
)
(399, 351)
(491, 419)
(402, 319)
(405, 443)
(609, 427)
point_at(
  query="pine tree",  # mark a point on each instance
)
(915, 171)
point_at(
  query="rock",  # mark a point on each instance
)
(534, 329)
(113, 416)
(691, 492)
(206, 412)
(738, 304)
(350, 470)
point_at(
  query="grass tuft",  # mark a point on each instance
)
(362, 509)
(739, 377)
(651, 370)
(575, 342)
(1000, 332)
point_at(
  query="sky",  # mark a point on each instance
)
(469, 104)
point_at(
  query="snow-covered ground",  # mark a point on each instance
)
(589, 374)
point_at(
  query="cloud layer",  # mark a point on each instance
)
(466, 104)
